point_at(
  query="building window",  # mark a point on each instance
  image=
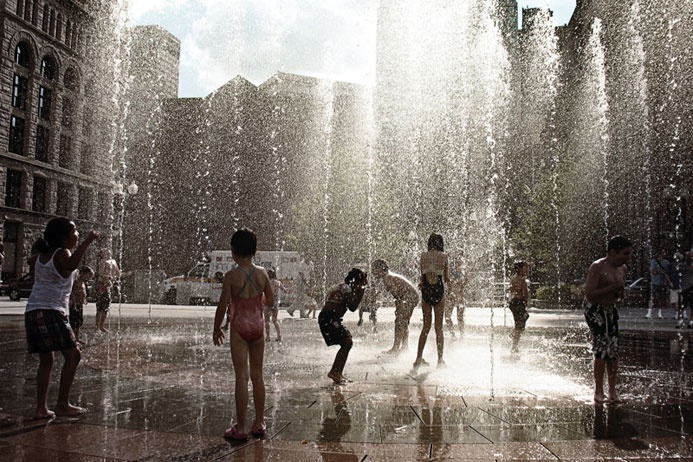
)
(16, 144)
(13, 189)
(71, 80)
(21, 54)
(38, 203)
(65, 155)
(48, 68)
(87, 164)
(63, 208)
(43, 136)
(44, 103)
(86, 199)
(20, 87)
(68, 113)
(44, 21)
(59, 27)
(20, 8)
(34, 13)
(27, 9)
(51, 23)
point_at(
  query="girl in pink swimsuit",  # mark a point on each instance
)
(245, 289)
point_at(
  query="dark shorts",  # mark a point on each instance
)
(331, 328)
(603, 323)
(518, 308)
(48, 330)
(103, 302)
(76, 316)
(659, 292)
(432, 293)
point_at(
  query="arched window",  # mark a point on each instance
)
(21, 54)
(59, 27)
(34, 13)
(51, 24)
(48, 68)
(68, 33)
(44, 20)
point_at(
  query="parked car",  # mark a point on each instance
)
(637, 293)
(19, 287)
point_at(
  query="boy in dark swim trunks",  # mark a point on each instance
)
(346, 295)
(603, 288)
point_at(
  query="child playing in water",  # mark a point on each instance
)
(346, 295)
(46, 316)
(603, 289)
(243, 289)
(78, 298)
(406, 298)
(271, 312)
(519, 297)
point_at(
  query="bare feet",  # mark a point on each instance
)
(70, 410)
(599, 398)
(44, 414)
(391, 351)
(338, 378)
(614, 398)
(420, 362)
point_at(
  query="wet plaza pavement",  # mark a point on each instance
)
(158, 389)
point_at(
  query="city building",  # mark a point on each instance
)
(50, 164)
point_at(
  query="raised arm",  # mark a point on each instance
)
(66, 263)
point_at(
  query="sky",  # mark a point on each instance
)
(329, 39)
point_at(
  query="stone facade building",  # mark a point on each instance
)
(49, 163)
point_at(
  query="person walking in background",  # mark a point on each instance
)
(78, 298)
(659, 284)
(245, 290)
(342, 297)
(46, 316)
(433, 265)
(519, 298)
(406, 299)
(604, 287)
(107, 276)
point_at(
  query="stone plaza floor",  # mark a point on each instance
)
(157, 389)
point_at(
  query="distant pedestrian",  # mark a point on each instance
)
(659, 284)
(604, 287)
(456, 298)
(46, 316)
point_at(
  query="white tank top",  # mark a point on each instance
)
(51, 290)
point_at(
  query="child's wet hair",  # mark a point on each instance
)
(435, 242)
(618, 243)
(56, 233)
(380, 265)
(272, 273)
(244, 242)
(518, 265)
(355, 275)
